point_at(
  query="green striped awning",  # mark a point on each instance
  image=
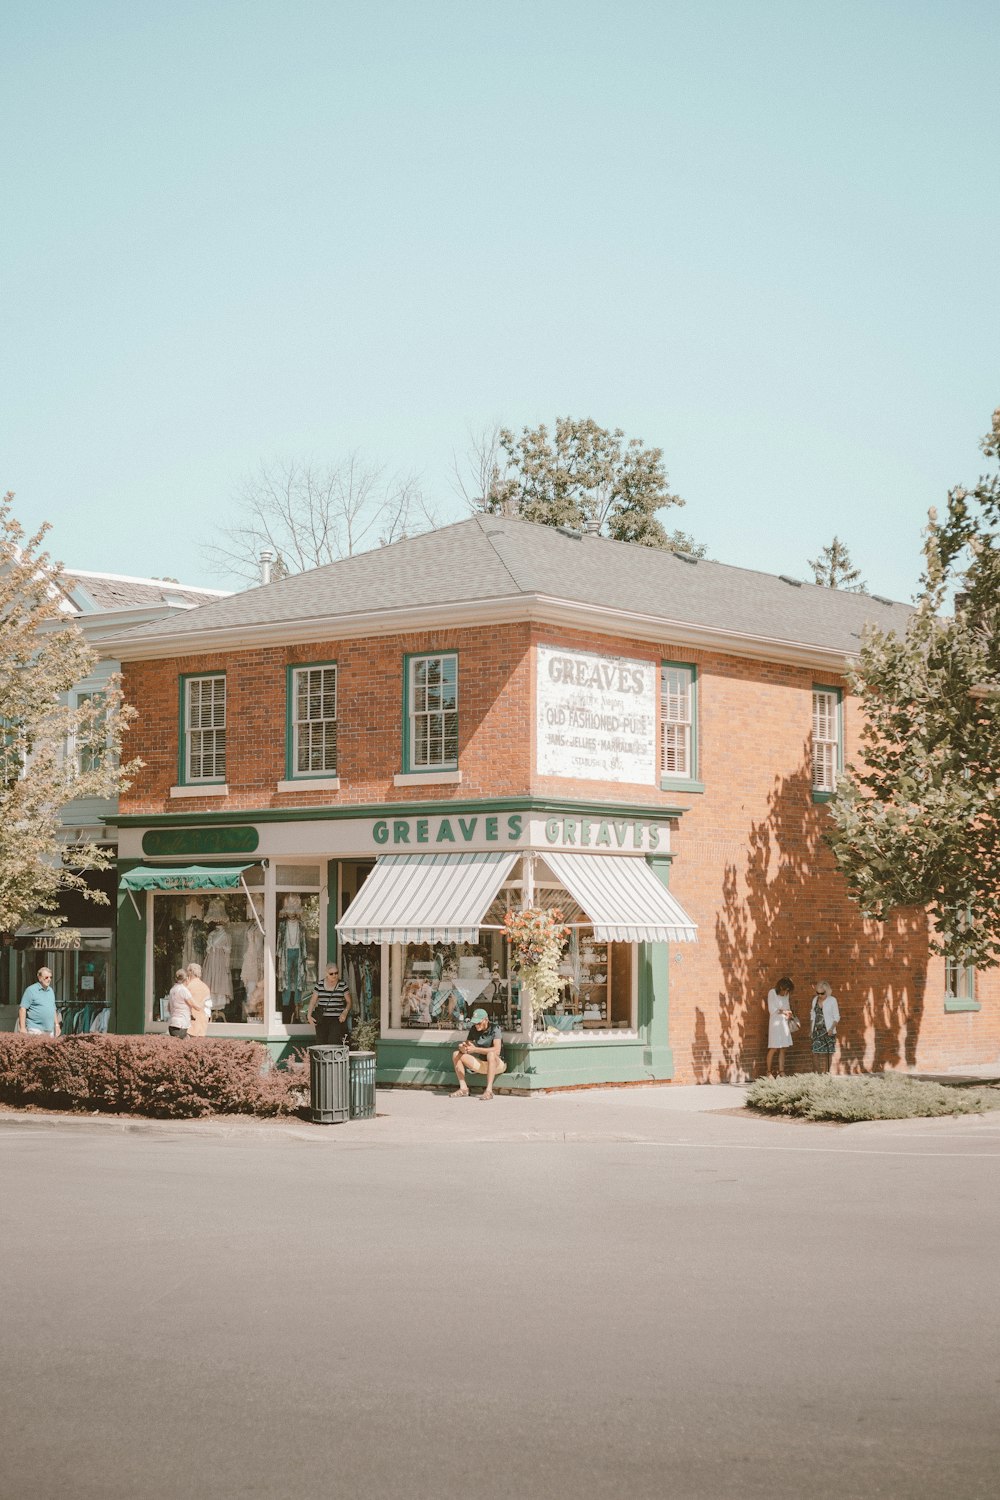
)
(426, 898)
(188, 878)
(623, 898)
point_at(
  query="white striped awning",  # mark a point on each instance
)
(623, 898)
(426, 898)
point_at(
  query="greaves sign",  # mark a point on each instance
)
(595, 716)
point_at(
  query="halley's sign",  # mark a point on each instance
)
(595, 716)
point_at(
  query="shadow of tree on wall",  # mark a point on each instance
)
(787, 912)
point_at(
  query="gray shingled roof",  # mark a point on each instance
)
(492, 557)
(110, 592)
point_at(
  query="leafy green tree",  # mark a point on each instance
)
(917, 821)
(834, 569)
(51, 753)
(582, 473)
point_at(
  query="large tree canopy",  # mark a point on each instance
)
(917, 822)
(52, 752)
(582, 473)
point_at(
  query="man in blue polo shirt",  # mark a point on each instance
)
(37, 1014)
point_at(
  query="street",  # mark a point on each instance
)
(611, 1294)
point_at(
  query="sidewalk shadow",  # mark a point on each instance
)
(787, 912)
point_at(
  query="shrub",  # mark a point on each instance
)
(148, 1075)
(365, 1036)
(867, 1096)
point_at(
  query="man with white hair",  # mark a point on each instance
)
(200, 993)
(37, 1014)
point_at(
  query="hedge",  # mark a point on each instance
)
(158, 1076)
(866, 1096)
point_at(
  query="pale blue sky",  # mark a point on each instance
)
(762, 236)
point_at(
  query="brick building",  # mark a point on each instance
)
(376, 759)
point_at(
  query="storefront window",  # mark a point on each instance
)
(297, 954)
(213, 930)
(438, 985)
(81, 978)
(598, 985)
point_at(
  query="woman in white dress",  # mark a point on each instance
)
(779, 1033)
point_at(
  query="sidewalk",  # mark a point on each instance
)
(412, 1117)
(709, 1115)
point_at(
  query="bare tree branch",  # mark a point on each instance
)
(311, 514)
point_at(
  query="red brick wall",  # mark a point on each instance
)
(750, 862)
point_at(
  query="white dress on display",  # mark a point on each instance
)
(216, 972)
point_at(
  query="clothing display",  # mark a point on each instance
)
(215, 970)
(290, 964)
(252, 967)
(195, 937)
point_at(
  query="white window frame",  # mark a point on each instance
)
(214, 728)
(827, 739)
(677, 720)
(446, 763)
(295, 772)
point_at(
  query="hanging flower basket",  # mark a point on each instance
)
(536, 936)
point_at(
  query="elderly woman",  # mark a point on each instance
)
(824, 1017)
(779, 1031)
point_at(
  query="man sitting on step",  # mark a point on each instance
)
(481, 1052)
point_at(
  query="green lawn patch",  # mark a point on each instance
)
(867, 1096)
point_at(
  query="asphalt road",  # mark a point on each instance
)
(726, 1311)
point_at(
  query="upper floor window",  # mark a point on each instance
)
(203, 728)
(91, 741)
(677, 700)
(312, 720)
(827, 739)
(431, 690)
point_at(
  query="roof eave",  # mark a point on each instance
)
(532, 608)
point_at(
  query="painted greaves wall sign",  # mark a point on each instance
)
(596, 716)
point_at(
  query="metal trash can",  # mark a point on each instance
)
(329, 1087)
(362, 1085)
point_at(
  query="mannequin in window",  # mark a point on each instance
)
(252, 966)
(216, 968)
(291, 965)
(195, 933)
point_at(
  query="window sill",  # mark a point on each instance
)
(822, 796)
(427, 778)
(680, 784)
(207, 789)
(951, 1004)
(310, 784)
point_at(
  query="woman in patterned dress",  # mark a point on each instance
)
(824, 1017)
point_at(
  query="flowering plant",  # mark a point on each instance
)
(536, 936)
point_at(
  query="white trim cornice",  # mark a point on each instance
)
(531, 608)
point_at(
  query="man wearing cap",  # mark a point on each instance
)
(480, 1052)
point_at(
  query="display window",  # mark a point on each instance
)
(437, 986)
(81, 978)
(297, 952)
(218, 932)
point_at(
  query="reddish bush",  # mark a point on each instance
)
(148, 1075)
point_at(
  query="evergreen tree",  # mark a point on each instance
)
(833, 569)
(917, 821)
(51, 752)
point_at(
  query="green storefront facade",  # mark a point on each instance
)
(410, 900)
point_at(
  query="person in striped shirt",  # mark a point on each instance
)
(330, 1007)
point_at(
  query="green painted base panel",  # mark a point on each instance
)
(529, 1069)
